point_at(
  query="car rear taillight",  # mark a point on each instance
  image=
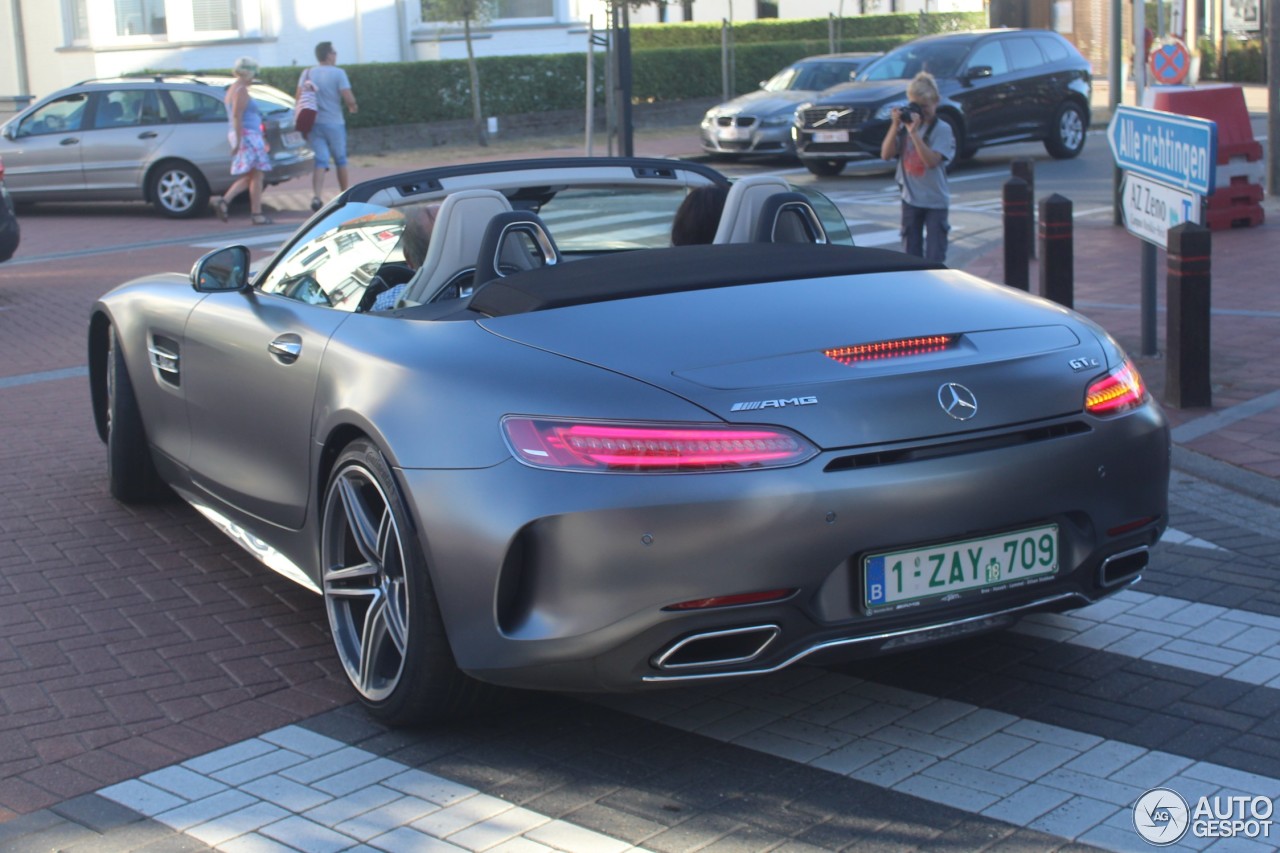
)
(1, 170)
(649, 448)
(1119, 391)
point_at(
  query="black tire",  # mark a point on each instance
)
(1067, 132)
(825, 168)
(962, 153)
(372, 568)
(131, 472)
(178, 189)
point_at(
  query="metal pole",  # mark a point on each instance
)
(724, 58)
(1148, 293)
(626, 129)
(20, 49)
(591, 84)
(610, 96)
(1115, 96)
(1273, 97)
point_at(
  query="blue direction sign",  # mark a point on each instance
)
(1180, 151)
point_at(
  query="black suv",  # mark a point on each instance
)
(997, 86)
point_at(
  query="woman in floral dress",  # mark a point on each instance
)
(249, 159)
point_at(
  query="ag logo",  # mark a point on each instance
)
(1161, 816)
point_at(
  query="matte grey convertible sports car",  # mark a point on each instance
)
(573, 457)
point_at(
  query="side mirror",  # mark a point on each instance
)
(763, 83)
(222, 270)
(977, 72)
(9, 132)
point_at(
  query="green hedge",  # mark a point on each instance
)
(392, 93)
(654, 36)
(1245, 62)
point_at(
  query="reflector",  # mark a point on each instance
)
(731, 600)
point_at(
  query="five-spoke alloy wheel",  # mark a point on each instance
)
(382, 610)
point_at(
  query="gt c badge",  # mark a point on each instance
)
(773, 404)
(957, 401)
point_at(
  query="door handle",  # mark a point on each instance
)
(286, 348)
(70, 140)
(149, 134)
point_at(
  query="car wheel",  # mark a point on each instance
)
(383, 614)
(178, 189)
(1067, 134)
(131, 473)
(957, 132)
(825, 168)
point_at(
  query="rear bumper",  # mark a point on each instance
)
(292, 163)
(559, 581)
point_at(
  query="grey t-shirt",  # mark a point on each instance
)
(921, 186)
(330, 80)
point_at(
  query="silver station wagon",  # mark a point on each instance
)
(158, 139)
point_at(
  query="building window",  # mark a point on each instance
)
(209, 15)
(140, 18)
(524, 9)
(77, 20)
(499, 10)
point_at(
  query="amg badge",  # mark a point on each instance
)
(773, 404)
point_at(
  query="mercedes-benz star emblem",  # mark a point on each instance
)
(957, 401)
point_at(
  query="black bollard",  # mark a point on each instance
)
(1017, 233)
(1026, 169)
(1187, 381)
(1057, 250)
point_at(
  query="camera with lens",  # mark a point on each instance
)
(910, 110)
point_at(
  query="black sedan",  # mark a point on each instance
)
(997, 86)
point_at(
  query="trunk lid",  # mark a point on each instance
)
(756, 353)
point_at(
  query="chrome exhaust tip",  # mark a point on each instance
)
(718, 648)
(1123, 567)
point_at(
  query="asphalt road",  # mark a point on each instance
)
(160, 690)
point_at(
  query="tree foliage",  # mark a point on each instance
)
(468, 12)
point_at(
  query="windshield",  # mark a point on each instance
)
(592, 219)
(811, 76)
(939, 58)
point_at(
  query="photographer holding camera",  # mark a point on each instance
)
(923, 146)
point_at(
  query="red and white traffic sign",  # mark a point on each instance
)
(1170, 63)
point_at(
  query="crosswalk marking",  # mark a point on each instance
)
(1049, 778)
(312, 792)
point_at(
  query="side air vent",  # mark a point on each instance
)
(956, 448)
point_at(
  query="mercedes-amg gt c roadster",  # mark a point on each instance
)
(568, 456)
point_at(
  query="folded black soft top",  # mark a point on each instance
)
(649, 272)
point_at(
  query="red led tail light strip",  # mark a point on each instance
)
(891, 349)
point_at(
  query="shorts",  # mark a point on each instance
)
(329, 141)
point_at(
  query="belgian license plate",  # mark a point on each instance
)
(292, 139)
(731, 133)
(831, 136)
(915, 576)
